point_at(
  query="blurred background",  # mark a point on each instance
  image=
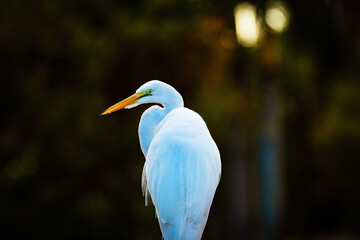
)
(278, 84)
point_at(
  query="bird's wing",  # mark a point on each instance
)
(182, 172)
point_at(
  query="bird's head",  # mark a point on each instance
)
(153, 91)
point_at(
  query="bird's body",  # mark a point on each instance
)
(182, 167)
(179, 174)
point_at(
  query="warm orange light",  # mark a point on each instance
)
(227, 39)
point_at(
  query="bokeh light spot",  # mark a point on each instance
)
(246, 24)
(227, 39)
(277, 17)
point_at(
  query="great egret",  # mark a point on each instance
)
(182, 167)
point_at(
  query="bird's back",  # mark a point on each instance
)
(181, 173)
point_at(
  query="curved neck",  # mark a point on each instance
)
(149, 121)
(174, 101)
(152, 117)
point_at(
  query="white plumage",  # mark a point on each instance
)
(182, 167)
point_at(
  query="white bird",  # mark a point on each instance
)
(182, 168)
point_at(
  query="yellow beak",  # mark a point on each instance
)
(123, 104)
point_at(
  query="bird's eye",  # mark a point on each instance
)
(150, 91)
